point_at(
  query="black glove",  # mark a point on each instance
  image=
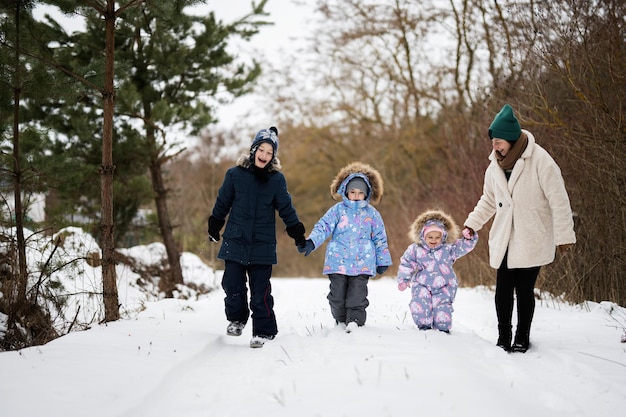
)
(307, 248)
(296, 232)
(381, 269)
(215, 225)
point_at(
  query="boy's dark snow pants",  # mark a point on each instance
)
(261, 300)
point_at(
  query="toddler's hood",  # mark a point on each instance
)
(446, 220)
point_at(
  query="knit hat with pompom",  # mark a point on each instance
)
(265, 135)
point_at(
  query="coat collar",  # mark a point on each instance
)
(501, 180)
(527, 152)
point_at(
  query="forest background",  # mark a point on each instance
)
(409, 87)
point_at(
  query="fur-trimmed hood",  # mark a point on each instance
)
(451, 228)
(371, 176)
(245, 161)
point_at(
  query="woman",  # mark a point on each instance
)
(250, 195)
(524, 189)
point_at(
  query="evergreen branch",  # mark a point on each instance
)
(96, 6)
(56, 66)
(130, 4)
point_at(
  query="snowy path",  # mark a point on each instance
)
(174, 360)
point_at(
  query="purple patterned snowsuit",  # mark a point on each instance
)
(432, 280)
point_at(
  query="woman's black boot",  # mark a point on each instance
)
(521, 343)
(504, 337)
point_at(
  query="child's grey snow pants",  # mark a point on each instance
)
(348, 298)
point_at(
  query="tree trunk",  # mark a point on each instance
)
(175, 275)
(22, 273)
(107, 242)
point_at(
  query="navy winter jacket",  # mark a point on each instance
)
(251, 205)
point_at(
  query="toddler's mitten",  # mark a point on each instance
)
(403, 285)
(381, 269)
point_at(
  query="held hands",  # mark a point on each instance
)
(563, 249)
(296, 232)
(307, 248)
(381, 269)
(468, 232)
(215, 225)
(403, 285)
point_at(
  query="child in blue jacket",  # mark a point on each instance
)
(426, 267)
(358, 246)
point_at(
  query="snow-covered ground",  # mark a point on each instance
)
(173, 359)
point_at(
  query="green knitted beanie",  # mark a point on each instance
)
(505, 125)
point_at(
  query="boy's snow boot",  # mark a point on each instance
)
(259, 340)
(235, 328)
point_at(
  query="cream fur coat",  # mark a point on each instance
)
(532, 210)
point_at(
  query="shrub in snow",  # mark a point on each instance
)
(65, 277)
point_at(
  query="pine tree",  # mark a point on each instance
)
(108, 15)
(177, 63)
(22, 46)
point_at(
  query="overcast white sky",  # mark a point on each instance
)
(286, 37)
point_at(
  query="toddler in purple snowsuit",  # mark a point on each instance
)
(426, 267)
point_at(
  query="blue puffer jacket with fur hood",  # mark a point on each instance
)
(358, 240)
